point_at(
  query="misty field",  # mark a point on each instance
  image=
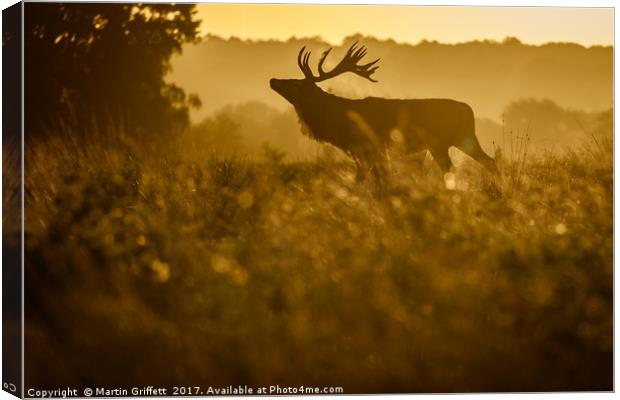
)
(165, 266)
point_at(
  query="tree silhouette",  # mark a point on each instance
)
(96, 66)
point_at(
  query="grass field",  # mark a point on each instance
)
(165, 267)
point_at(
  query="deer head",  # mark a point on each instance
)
(294, 89)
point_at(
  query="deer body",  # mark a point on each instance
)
(365, 128)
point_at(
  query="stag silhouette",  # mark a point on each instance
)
(365, 128)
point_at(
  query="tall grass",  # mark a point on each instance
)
(148, 267)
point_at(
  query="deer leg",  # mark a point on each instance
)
(379, 171)
(472, 148)
(417, 159)
(442, 158)
(380, 178)
(360, 175)
(360, 171)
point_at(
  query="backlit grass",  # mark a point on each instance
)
(152, 267)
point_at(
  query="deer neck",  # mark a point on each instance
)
(316, 111)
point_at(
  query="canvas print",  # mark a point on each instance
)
(291, 199)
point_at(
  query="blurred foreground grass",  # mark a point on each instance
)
(152, 267)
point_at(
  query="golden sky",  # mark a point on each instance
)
(533, 25)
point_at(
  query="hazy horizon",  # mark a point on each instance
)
(344, 39)
(433, 69)
(409, 24)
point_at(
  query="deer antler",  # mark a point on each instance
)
(347, 64)
(302, 61)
